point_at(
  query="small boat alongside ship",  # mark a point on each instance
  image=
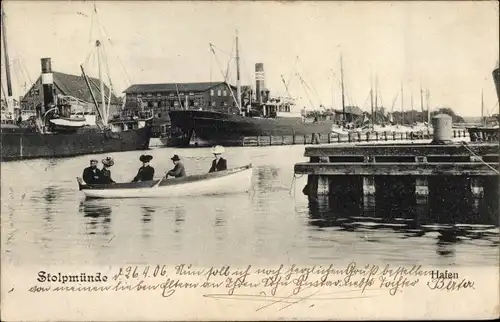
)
(236, 180)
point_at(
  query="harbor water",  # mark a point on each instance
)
(46, 220)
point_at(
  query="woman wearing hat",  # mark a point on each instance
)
(92, 174)
(105, 177)
(218, 164)
(178, 170)
(146, 172)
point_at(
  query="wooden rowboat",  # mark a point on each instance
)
(223, 182)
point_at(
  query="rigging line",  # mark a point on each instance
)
(27, 72)
(293, 72)
(105, 35)
(106, 65)
(479, 158)
(229, 61)
(222, 51)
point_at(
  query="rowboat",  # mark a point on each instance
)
(234, 180)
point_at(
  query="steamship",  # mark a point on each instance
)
(55, 132)
(263, 116)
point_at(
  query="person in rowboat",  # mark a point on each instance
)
(218, 164)
(92, 174)
(146, 172)
(105, 177)
(178, 170)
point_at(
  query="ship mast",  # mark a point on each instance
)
(238, 81)
(101, 84)
(342, 90)
(10, 106)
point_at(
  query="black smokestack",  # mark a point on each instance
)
(47, 82)
(259, 81)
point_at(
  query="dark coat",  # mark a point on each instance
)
(91, 175)
(178, 171)
(145, 174)
(106, 176)
(219, 166)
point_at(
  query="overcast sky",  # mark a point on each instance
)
(451, 48)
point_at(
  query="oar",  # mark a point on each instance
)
(159, 181)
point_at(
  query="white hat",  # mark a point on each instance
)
(218, 149)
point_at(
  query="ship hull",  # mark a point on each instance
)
(19, 145)
(230, 129)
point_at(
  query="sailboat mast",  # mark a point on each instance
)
(342, 87)
(371, 103)
(422, 101)
(427, 99)
(238, 81)
(101, 84)
(411, 106)
(402, 101)
(482, 108)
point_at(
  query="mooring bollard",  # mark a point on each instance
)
(442, 125)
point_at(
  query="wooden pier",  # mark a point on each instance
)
(402, 170)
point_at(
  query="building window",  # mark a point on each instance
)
(211, 92)
(224, 93)
(171, 95)
(213, 104)
(219, 92)
(191, 94)
(149, 95)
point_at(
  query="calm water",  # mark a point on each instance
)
(45, 219)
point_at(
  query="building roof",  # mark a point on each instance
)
(76, 86)
(171, 87)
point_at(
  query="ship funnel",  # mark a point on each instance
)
(47, 82)
(259, 81)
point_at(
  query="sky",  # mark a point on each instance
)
(449, 48)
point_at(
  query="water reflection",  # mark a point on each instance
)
(404, 217)
(179, 218)
(147, 218)
(266, 176)
(98, 217)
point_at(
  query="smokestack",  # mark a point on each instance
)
(47, 82)
(259, 81)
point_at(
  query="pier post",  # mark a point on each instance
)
(476, 187)
(323, 181)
